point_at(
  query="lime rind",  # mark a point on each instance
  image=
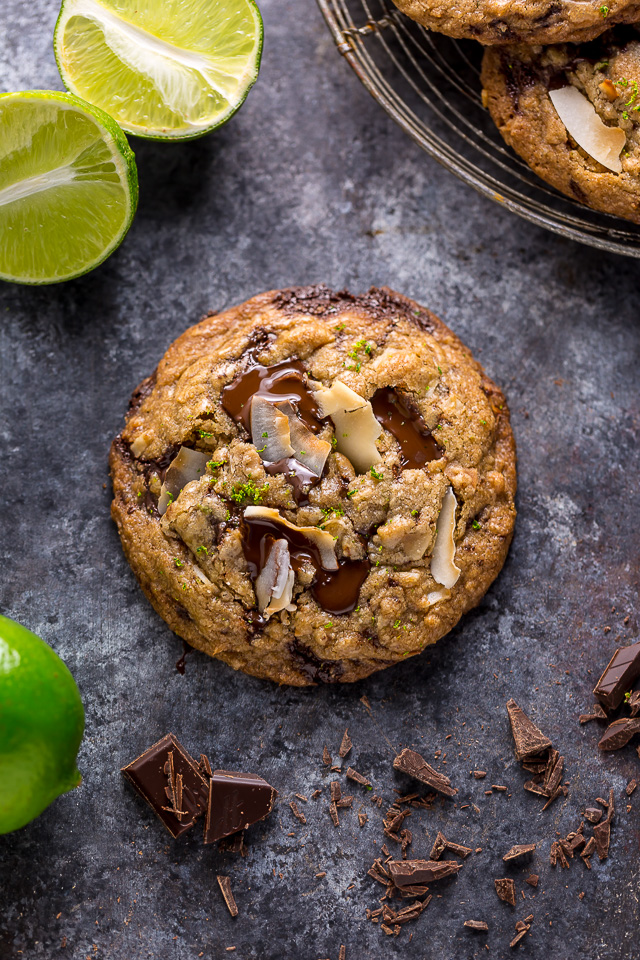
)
(176, 69)
(68, 186)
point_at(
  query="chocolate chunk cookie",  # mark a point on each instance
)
(313, 486)
(521, 21)
(572, 112)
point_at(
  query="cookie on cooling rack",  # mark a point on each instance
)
(572, 112)
(313, 485)
(521, 21)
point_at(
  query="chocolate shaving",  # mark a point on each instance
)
(346, 745)
(439, 847)
(344, 802)
(528, 739)
(205, 766)
(297, 812)
(506, 890)
(602, 837)
(593, 814)
(630, 787)
(479, 775)
(633, 702)
(415, 766)
(410, 872)
(326, 757)
(336, 791)
(362, 818)
(225, 886)
(597, 713)
(479, 925)
(333, 813)
(343, 952)
(519, 850)
(354, 775)
(532, 879)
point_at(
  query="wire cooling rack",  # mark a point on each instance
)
(430, 85)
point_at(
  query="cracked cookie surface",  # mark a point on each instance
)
(521, 21)
(329, 569)
(518, 86)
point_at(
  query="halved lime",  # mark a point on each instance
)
(165, 69)
(68, 186)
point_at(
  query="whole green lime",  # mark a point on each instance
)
(41, 726)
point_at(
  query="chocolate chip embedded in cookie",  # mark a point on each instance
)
(521, 21)
(314, 486)
(572, 112)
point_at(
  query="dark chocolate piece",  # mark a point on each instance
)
(439, 847)
(479, 925)
(354, 775)
(346, 745)
(225, 886)
(602, 837)
(326, 757)
(169, 779)
(519, 850)
(633, 702)
(479, 774)
(619, 675)
(523, 930)
(506, 890)
(630, 787)
(362, 817)
(597, 713)
(528, 739)
(532, 879)
(297, 812)
(236, 800)
(417, 445)
(619, 733)
(553, 773)
(405, 873)
(279, 382)
(593, 814)
(415, 766)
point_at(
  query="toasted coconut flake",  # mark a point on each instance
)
(188, 465)
(579, 116)
(322, 540)
(435, 596)
(274, 585)
(443, 568)
(270, 431)
(356, 426)
(309, 450)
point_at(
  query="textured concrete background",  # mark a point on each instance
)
(311, 182)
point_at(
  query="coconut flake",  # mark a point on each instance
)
(274, 586)
(139, 445)
(308, 449)
(322, 540)
(188, 465)
(356, 426)
(270, 431)
(579, 116)
(436, 596)
(443, 568)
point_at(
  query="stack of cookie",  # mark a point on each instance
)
(560, 80)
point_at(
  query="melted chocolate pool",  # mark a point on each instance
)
(280, 381)
(417, 445)
(336, 591)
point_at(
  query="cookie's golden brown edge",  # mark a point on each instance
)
(480, 556)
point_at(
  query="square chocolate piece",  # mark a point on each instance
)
(169, 779)
(236, 800)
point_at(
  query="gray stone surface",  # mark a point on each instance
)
(312, 182)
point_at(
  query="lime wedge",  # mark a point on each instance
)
(164, 69)
(68, 186)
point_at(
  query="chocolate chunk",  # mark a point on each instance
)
(560, 791)
(506, 890)
(345, 746)
(336, 790)
(354, 775)
(536, 788)
(362, 818)
(553, 773)
(602, 837)
(532, 879)
(458, 849)
(439, 847)
(417, 445)
(205, 766)
(519, 850)
(524, 930)
(479, 925)
(588, 850)
(593, 814)
(225, 886)
(479, 775)
(169, 779)
(326, 757)
(528, 739)
(343, 952)
(619, 733)
(236, 800)
(630, 787)
(333, 813)
(406, 873)
(619, 675)
(415, 766)
(633, 702)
